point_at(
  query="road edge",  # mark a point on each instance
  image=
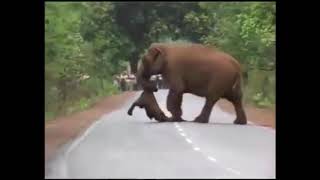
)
(62, 130)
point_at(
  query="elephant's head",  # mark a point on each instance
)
(152, 63)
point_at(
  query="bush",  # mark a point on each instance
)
(260, 88)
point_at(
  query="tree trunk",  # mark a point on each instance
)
(102, 83)
(134, 62)
(133, 66)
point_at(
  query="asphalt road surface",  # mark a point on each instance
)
(122, 146)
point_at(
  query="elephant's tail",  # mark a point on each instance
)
(238, 82)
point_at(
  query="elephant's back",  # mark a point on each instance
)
(197, 57)
(203, 68)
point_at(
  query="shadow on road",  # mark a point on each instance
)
(209, 124)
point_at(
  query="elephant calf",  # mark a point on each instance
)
(148, 101)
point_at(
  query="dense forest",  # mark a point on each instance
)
(87, 43)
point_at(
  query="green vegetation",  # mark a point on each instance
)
(98, 39)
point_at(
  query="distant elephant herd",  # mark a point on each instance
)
(128, 82)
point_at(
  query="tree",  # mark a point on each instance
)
(145, 23)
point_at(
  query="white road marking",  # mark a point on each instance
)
(196, 148)
(76, 142)
(80, 138)
(234, 171)
(188, 140)
(212, 159)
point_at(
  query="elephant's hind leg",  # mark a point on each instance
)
(235, 97)
(241, 117)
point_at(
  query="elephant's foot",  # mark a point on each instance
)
(240, 121)
(160, 121)
(172, 119)
(201, 119)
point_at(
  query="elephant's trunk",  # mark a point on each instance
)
(143, 77)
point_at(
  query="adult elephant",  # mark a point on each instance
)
(195, 69)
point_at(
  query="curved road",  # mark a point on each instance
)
(122, 146)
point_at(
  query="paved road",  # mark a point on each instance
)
(122, 146)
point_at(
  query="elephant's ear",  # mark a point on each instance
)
(155, 52)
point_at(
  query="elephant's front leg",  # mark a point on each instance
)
(174, 101)
(206, 111)
(131, 108)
